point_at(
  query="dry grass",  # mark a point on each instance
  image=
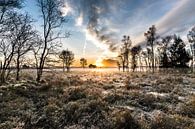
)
(99, 100)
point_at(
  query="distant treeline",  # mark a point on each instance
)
(164, 52)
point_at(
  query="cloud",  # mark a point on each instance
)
(179, 19)
(105, 21)
(93, 15)
(109, 62)
(66, 9)
(79, 20)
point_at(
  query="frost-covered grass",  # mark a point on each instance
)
(99, 100)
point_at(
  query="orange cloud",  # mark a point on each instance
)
(109, 63)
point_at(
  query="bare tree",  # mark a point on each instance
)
(8, 44)
(83, 62)
(118, 65)
(151, 37)
(25, 36)
(67, 58)
(121, 61)
(6, 5)
(52, 20)
(134, 54)
(124, 52)
(6, 51)
(36, 48)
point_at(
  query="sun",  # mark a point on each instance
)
(99, 63)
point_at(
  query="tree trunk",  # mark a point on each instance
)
(67, 68)
(40, 70)
(63, 67)
(123, 67)
(152, 58)
(3, 76)
(42, 62)
(18, 69)
(39, 74)
(149, 61)
(127, 67)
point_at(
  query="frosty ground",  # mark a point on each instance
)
(100, 100)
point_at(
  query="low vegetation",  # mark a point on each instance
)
(102, 101)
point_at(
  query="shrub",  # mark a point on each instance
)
(133, 86)
(74, 94)
(162, 121)
(108, 87)
(147, 100)
(189, 108)
(183, 122)
(87, 113)
(164, 88)
(124, 120)
(113, 98)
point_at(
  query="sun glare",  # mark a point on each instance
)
(99, 63)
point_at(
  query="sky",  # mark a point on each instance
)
(97, 26)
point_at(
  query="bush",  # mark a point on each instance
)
(114, 98)
(74, 94)
(162, 121)
(124, 120)
(189, 108)
(87, 113)
(164, 88)
(147, 100)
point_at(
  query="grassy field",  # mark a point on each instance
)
(99, 100)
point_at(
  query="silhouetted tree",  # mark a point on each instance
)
(151, 37)
(178, 54)
(67, 58)
(92, 66)
(6, 5)
(6, 43)
(163, 50)
(149, 56)
(52, 20)
(10, 39)
(134, 54)
(124, 53)
(121, 61)
(118, 65)
(83, 62)
(23, 35)
(36, 48)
